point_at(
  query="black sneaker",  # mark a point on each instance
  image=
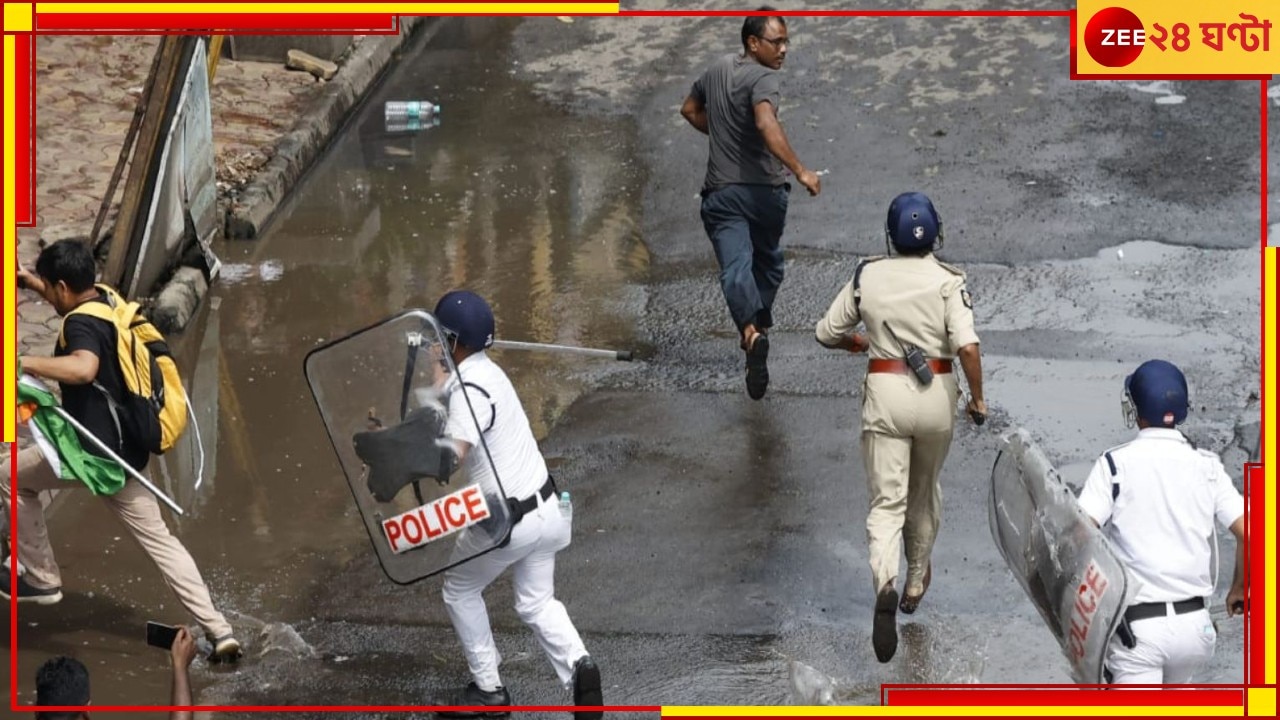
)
(757, 367)
(586, 688)
(884, 628)
(473, 696)
(28, 594)
(225, 649)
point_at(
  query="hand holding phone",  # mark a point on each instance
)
(160, 635)
(183, 650)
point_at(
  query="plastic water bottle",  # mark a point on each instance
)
(422, 110)
(566, 505)
(399, 125)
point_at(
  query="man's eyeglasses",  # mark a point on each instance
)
(777, 43)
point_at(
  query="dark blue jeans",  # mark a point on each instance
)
(744, 223)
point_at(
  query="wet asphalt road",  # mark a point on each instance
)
(719, 551)
(1040, 180)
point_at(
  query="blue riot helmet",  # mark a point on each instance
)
(913, 223)
(1157, 393)
(466, 317)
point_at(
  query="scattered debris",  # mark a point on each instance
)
(299, 60)
(236, 167)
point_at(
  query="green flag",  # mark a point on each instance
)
(61, 444)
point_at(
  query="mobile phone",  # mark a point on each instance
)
(161, 635)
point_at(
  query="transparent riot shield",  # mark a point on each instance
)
(1058, 555)
(380, 392)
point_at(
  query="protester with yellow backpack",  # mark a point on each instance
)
(130, 397)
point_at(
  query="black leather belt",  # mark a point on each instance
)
(1144, 611)
(520, 508)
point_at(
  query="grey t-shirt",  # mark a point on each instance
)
(730, 89)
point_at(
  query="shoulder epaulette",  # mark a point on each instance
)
(857, 278)
(949, 268)
(1111, 465)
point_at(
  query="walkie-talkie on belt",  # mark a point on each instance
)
(915, 359)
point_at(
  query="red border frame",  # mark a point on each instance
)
(190, 24)
(24, 130)
(1055, 695)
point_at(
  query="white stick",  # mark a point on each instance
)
(84, 432)
(623, 355)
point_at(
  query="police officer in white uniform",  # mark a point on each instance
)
(917, 311)
(1156, 499)
(538, 535)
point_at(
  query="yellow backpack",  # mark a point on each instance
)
(154, 410)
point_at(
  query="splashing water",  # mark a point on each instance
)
(810, 686)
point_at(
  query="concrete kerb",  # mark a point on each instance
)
(295, 152)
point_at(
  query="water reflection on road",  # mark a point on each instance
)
(533, 208)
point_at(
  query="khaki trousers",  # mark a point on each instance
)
(136, 508)
(906, 433)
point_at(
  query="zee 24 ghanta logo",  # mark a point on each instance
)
(1115, 37)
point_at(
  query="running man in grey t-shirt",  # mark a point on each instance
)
(744, 197)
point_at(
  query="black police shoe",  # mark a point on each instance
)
(586, 688)
(884, 628)
(28, 594)
(473, 696)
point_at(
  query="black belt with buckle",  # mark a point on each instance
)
(520, 508)
(1144, 611)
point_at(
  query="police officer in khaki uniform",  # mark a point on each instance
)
(918, 318)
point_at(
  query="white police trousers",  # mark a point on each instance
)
(1170, 650)
(531, 554)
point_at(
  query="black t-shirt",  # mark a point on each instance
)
(86, 403)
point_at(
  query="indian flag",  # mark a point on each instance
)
(60, 443)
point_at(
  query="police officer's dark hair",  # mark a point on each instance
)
(754, 25)
(70, 261)
(61, 681)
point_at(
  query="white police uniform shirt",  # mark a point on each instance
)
(534, 540)
(1161, 521)
(507, 434)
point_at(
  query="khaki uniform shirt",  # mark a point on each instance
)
(925, 301)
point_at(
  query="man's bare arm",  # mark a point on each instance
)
(853, 342)
(181, 653)
(78, 368)
(696, 113)
(776, 141)
(1235, 596)
(971, 363)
